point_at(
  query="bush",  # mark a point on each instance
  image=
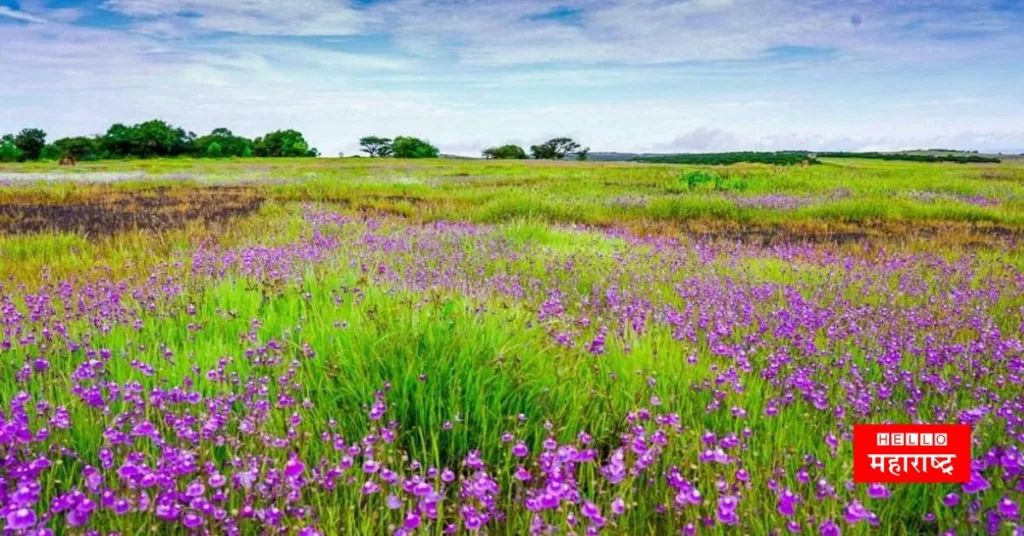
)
(505, 152)
(781, 158)
(10, 152)
(410, 147)
(214, 150)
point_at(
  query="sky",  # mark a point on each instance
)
(630, 76)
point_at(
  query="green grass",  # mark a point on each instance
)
(477, 359)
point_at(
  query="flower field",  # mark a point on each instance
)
(461, 349)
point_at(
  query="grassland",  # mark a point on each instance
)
(426, 347)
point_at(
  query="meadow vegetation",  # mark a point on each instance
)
(370, 346)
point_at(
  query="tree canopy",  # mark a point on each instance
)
(558, 149)
(410, 147)
(505, 152)
(30, 142)
(9, 152)
(375, 146)
(283, 143)
(151, 139)
(222, 142)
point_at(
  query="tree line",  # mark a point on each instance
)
(911, 157)
(778, 158)
(152, 139)
(409, 147)
(158, 139)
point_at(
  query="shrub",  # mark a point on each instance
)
(410, 147)
(505, 152)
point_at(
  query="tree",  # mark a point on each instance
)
(9, 152)
(410, 147)
(283, 143)
(158, 138)
(117, 142)
(153, 138)
(80, 148)
(582, 154)
(31, 142)
(230, 144)
(214, 150)
(557, 149)
(376, 146)
(505, 152)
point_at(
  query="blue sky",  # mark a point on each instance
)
(640, 75)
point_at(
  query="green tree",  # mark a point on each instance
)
(214, 150)
(556, 149)
(51, 152)
(31, 142)
(145, 140)
(117, 142)
(230, 144)
(158, 138)
(9, 152)
(410, 147)
(283, 143)
(81, 148)
(376, 146)
(505, 152)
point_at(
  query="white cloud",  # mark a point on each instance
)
(20, 15)
(252, 17)
(611, 77)
(667, 31)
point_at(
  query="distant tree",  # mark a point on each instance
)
(582, 154)
(780, 158)
(283, 143)
(555, 149)
(80, 148)
(153, 138)
(505, 152)
(158, 138)
(375, 146)
(410, 147)
(51, 152)
(117, 142)
(214, 150)
(230, 144)
(31, 142)
(9, 152)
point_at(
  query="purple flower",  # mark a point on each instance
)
(976, 484)
(191, 519)
(787, 502)
(1008, 509)
(21, 519)
(829, 528)
(618, 506)
(855, 513)
(878, 491)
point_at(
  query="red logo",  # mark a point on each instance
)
(911, 453)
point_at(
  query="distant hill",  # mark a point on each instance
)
(613, 157)
(959, 157)
(781, 158)
(795, 157)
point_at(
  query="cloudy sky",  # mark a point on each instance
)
(639, 75)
